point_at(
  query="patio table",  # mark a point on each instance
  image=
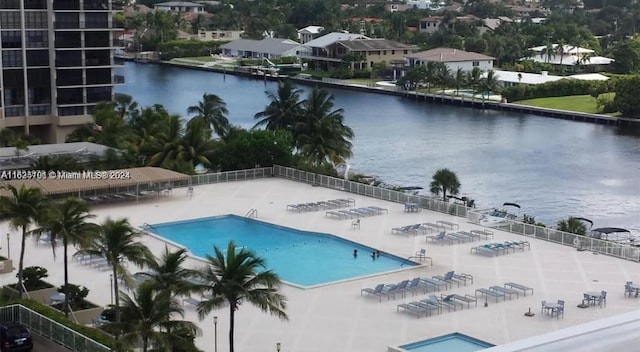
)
(593, 295)
(635, 287)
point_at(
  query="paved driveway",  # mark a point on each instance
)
(40, 344)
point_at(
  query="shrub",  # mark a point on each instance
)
(606, 104)
(563, 87)
(32, 278)
(77, 296)
(188, 48)
(627, 92)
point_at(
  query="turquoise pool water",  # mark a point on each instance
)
(299, 257)
(455, 342)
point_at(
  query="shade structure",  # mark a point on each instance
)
(609, 230)
(512, 205)
(112, 179)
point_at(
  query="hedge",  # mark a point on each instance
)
(57, 316)
(561, 88)
(188, 48)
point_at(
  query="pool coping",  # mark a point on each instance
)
(401, 349)
(416, 265)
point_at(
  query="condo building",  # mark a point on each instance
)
(57, 64)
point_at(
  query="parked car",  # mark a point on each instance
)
(15, 337)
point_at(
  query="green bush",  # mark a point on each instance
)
(32, 278)
(57, 316)
(361, 74)
(188, 48)
(627, 92)
(561, 88)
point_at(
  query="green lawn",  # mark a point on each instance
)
(201, 58)
(581, 103)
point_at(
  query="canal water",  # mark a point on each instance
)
(552, 168)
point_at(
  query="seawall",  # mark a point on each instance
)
(475, 102)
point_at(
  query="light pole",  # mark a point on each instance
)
(8, 247)
(215, 333)
(111, 286)
(278, 346)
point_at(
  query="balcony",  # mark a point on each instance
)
(98, 97)
(310, 56)
(86, 25)
(96, 5)
(118, 79)
(97, 62)
(66, 44)
(66, 5)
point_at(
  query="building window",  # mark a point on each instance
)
(35, 20)
(11, 39)
(71, 111)
(10, 20)
(12, 58)
(393, 52)
(10, 4)
(476, 63)
(37, 39)
(406, 52)
(37, 58)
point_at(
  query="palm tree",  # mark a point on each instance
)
(284, 108)
(572, 225)
(118, 242)
(474, 78)
(147, 320)
(67, 220)
(125, 106)
(213, 110)
(445, 181)
(239, 277)
(22, 208)
(489, 84)
(56, 162)
(460, 79)
(321, 135)
(169, 274)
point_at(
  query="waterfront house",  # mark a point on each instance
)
(453, 58)
(269, 48)
(217, 35)
(396, 7)
(512, 78)
(330, 51)
(569, 58)
(179, 6)
(309, 33)
(135, 10)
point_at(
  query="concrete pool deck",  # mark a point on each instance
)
(336, 317)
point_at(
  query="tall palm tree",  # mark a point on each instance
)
(118, 242)
(213, 110)
(321, 135)
(474, 78)
(284, 108)
(572, 225)
(22, 209)
(125, 106)
(489, 84)
(445, 181)
(168, 273)
(239, 277)
(460, 79)
(147, 319)
(67, 220)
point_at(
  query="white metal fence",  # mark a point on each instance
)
(50, 329)
(592, 244)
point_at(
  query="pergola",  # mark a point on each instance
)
(141, 179)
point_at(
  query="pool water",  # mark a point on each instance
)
(298, 257)
(455, 342)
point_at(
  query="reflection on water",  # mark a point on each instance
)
(552, 168)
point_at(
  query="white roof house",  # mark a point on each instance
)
(180, 6)
(510, 78)
(309, 33)
(269, 48)
(453, 58)
(571, 56)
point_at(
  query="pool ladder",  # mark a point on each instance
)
(253, 213)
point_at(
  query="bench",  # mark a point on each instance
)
(517, 286)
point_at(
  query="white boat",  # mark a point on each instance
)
(498, 217)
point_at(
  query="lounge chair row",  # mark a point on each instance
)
(324, 205)
(94, 261)
(508, 290)
(435, 283)
(495, 249)
(356, 213)
(453, 237)
(415, 230)
(427, 307)
(117, 197)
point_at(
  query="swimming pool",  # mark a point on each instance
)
(299, 257)
(455, 342)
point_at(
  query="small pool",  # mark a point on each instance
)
(299, 257)
(455, 342)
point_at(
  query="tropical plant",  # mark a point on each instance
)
(284, 108)
(168, 273)
(147, 319)
(445, 181)
(321, 136)
(474, 77)
(67, 220)
(125, 107)
(213, 111)
(117, 242)
(572, 225)
(237, 277)
(460, 79)
(489, 84)
(22, 209)
(56, 162)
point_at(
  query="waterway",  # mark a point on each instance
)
(553, 168)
